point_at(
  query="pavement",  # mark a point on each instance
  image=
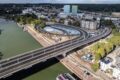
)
(77, 68)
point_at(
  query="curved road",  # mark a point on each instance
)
(26, 60)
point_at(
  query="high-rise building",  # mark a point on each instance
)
(66, 9)
(70, 9)
(74, 9)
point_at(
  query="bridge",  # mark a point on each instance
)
(28, 59)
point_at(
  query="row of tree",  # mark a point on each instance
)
(30, 19)
(1, 55)
(0, 31)
(101, 49)
(100, 7)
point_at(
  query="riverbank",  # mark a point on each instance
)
(39, 37)
(15, 41)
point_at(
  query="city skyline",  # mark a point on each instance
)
(62, 1)
(54, 39)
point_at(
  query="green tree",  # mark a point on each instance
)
(1, 55)
(42, 25)
(0, 31)
(101, 52)
(107, 23)
(36, 22)
(97, 56)
(95, 66)
(108, 47)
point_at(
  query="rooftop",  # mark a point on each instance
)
(107, 60)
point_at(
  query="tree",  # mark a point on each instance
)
(97, 56)
(53, 20)
(95, 66)
(94, 48)
(76, 23)
(101, 52)
(17, 19)
(42, 25)
(1, 55)
(21, 19)
(33, 16)
(61, 20)
(28, 20)
(36, 22)
(0, 31)
(107, 23)
(108, 47)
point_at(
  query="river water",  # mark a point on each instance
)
(14, 41)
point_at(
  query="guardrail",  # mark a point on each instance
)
(45, 32)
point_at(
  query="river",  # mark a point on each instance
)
(14, 41)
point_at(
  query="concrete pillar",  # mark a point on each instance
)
(64, 55)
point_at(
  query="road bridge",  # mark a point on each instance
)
(28, 59)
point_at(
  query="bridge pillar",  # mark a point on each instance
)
(64, 55)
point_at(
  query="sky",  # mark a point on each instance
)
(61, 1)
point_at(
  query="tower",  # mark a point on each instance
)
(70, 9)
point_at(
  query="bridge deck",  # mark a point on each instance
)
(17, 63)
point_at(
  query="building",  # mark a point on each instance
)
(66, 22)
(116, 14)
(38, 14)
(28, 10)
(105, 63)
(74, 9)
(110, 18)
(113, 64)
(90, 24)
(116, 73)
(88, 16)
(90, 21)
(116, 69)
(62, 15)
(70, 9)
(66, 9)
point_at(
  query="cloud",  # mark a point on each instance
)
(93, 1)
(59, 1)
(86, 1)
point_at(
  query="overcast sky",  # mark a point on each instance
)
(61, 1)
